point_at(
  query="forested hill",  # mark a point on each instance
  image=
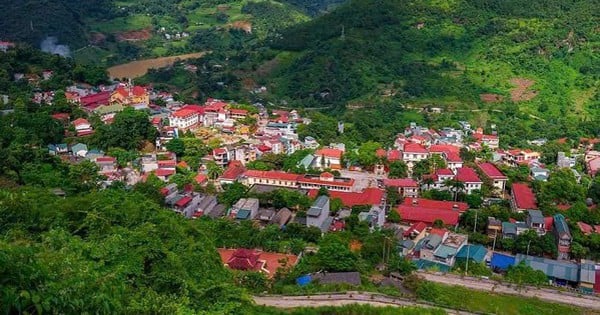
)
(461, 54)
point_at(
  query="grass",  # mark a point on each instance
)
(457, 297)
(133, 22)
(90, 55)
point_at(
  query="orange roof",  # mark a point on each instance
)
(369, 196)
(200, 178)
(184, 113)
(80, 121)
(331, 153)
(121, 90)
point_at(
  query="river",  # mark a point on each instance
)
(138, 68)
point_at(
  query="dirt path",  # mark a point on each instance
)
(340, 299)
(138, 68)
(589, 302)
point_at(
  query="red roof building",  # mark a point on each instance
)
(415, 229)
(234, 170)
(326, 180)
(400, 182)
(394, 155)
(414, 148)
(369, 196)
(254, 260)
(330, 153)
(414, 210)
(522, 198)
(93, 101)
(467, 175)
(201, 179)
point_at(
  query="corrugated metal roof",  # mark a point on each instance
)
(445, 251)
(552, 268)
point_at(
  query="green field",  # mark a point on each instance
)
(130, 23)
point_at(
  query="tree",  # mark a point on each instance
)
(323, 192)
(455, 186)
(367, 156)
(523, 274)
(232, 193)
(128, 131)
(394, 217)
(335, 255)
(398, 169)
(562, 187)
(393, 196)
(176, 146)
(438, 223)
(213, 170)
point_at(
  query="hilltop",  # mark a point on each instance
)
(539, 57)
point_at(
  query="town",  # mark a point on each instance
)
(433, 188)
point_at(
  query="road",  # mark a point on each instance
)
(590, 302)
(340, 299)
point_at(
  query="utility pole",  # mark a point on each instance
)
(528, 243)
(495, 236)
(343, 32)
(468, 254)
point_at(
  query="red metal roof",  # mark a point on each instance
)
(444, 172)
(138, 90)
(427, 215)
(417, 227)
(467, 175)
(394, 155)
(61, 116)
(435, 204)
(369, 196)
(80, 121)
(101, 98)
(332, 153)
(453, 157)
(548, 223)
(443, 148)
(400, 182)
(276, 175)
(105, 159)
(585, 228)
(523, 196)
(183, 201)
(490, 170)
(235, 111)
(380, 153)
(414, 148)
(164, 172)
(197, 108)
(219, 151)
(439, 232)
(184, 113)
(201, 178)
(234, 170)
(317, 180)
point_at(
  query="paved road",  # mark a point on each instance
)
(340, 299)
(590, 302)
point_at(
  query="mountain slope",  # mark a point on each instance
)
(465, 54)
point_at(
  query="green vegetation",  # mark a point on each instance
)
(353, 309)
(479, 301)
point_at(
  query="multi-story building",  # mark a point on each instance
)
(498, 179)
(184, 119)
(469, 178)
(563, 236)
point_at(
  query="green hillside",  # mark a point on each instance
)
(535, 57)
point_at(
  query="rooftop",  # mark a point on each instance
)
(490, 170)
(369, 196)
(467, 175)
(523, 196)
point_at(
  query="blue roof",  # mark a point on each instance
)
(475, 252)
(303, 280)
(560, 224)
(502, 261)
(243, 214)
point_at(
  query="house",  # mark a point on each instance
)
(206, 206)
(184, 119)
(446, 253)
(414, 152)
(234, 171)
(222, 156)
(509, 230)
(407, 187)
(438, 178)
(474, 252)
(425, 248)
(106, 164)
(328, 158)
(310, 143)
(325, 180)
(522, 198)
(491, 172)
(129, 95)
(494, 227)
(414, 210)
(201, 179)
(450, 153)
(92, 101)
(245, 209)
(236, 114)
(79, 149)
(57, 149)
(469, 178)
(184, 204)
(535, 221)
(164, 174)
(593, 166)
(282, 217)
(517, 156)
(318, 214)
(562, 160)
(563, 236)
(4, 46)
(491, 141)
(415, 230)
(539, 173)
(82, 127)
(271, 178)
(254, 260)
(265, 214)
(368, 197)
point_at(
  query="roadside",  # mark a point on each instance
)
(589, 302)
(340, 299)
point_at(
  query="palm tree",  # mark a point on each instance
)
(428, 181)
(455, 186)
(213, 170)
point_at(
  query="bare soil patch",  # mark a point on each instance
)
(245, 26)
(138, 68)
(491, 98)
(134, 36)
(521, 90)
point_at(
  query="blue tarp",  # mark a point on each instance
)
(303, 280)
(502, 261)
